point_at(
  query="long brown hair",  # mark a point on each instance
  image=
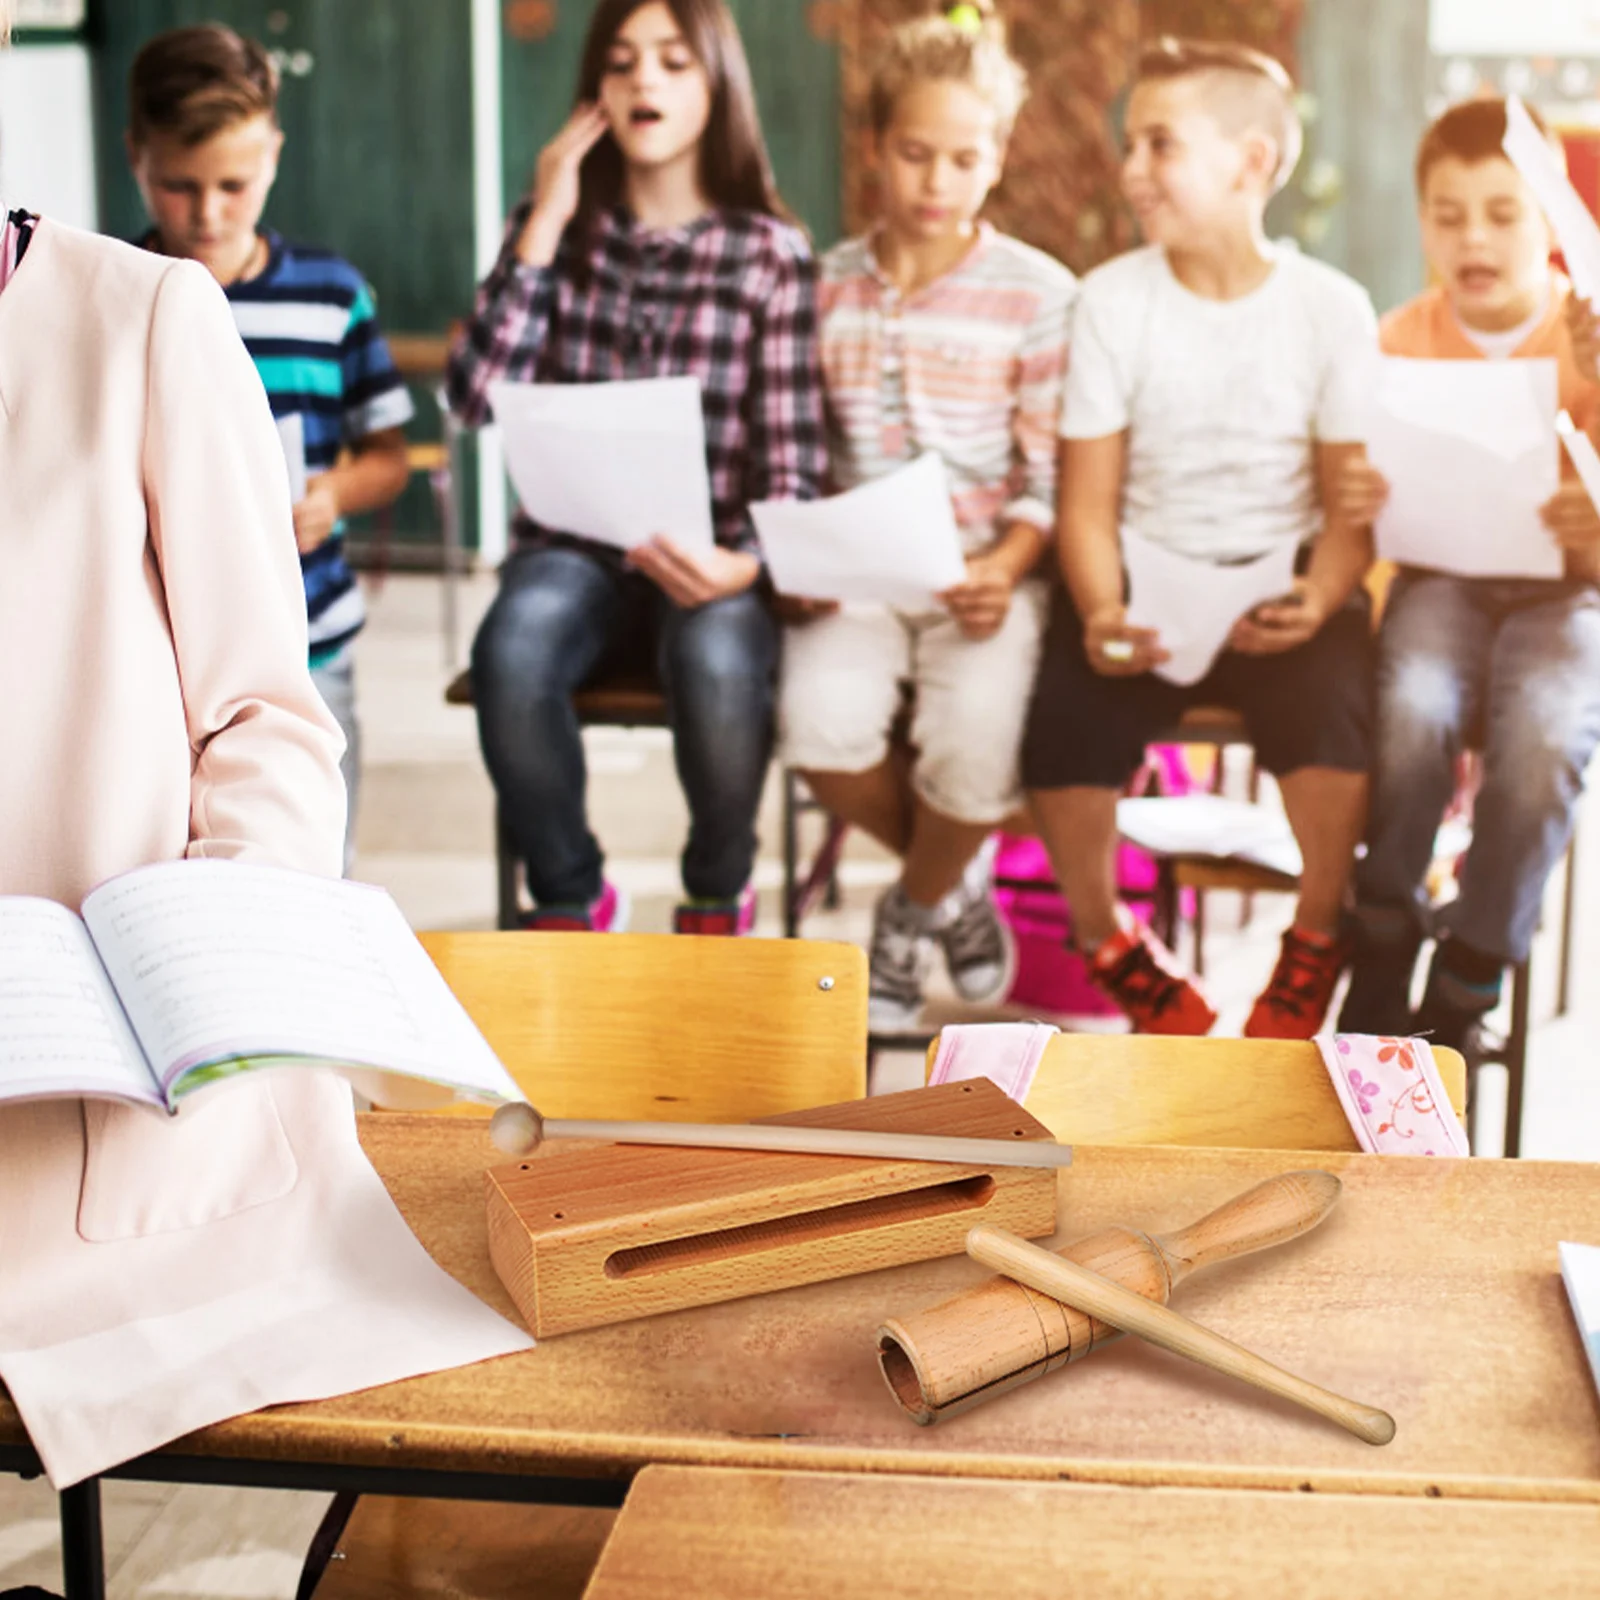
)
(734, 169)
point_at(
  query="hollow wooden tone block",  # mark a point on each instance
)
(584, 1234)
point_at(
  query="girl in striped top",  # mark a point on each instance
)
(654, 244)
(937, 334)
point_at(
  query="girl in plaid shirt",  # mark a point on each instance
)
(653, 244)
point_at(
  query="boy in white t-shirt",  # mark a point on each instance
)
(1215, 385)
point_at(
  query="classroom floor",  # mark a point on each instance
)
(424, 833)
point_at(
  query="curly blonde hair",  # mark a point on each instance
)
(948, 48)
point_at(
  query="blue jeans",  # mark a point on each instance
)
(1510, 667)
(560, 616)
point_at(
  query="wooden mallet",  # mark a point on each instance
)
(1075, 1285)
(518, 1129)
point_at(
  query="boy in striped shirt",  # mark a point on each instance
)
(937, 334)
(203, 139)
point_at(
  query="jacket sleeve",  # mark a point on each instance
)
(265, 782)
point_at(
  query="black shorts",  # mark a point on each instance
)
(1307, 707)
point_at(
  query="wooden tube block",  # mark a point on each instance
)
(1002, 1334)
(583, 1233)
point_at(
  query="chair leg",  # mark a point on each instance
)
(791, 855)
(1164, 902)
(507, 911)
(1517, 1056)
(1569, 898)
(1199, 960)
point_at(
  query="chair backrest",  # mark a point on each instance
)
(663, 1027)
(1248, 1094)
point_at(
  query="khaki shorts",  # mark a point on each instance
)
(844, 678)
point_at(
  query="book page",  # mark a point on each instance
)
(62, 1030)
(215, 960)
(617, 462)
(893, 541)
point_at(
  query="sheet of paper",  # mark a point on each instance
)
(214, 960)
(1581, 452)
(893, 541)
(1470, 455)
(1193, 605)
(292, 436)
(62, 1030)
(1576, 230)
(1580, 1271)
(616, 462)
(1210, 825)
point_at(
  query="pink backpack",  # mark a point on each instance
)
(1051, 976)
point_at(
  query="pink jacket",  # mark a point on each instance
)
(154, 695)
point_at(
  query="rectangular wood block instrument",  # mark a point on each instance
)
(584, 1234)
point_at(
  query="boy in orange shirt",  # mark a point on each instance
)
(1508, 666)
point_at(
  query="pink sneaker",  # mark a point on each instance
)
(608, 914)
(727, 918)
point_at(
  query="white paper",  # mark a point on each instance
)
(218, 960)
(1576, 230)
(1581, 452)
(616, 462)
(1193, 605)
(1580, 1270)
(893, 541)
(62, 1028)
(1469, 452)
(292, 436)
(1210, 825)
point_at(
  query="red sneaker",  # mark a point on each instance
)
(730, 920)
(1294, 1004)
(1145, 979)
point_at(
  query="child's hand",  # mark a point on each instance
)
(1571, 517)
(796, 609)
(1360, 494)
(1583, 328)
(316, 516)
(555, 184)
(1114, 649)
(979, 603)
(696, 579)
(1280, 624)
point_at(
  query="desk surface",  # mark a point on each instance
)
(1432, 1290)
(725, 1535)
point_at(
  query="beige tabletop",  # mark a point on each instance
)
(727, 1534)
(1432, 1291)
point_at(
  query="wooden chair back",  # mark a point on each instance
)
(1247, 1094)
(663, 1027)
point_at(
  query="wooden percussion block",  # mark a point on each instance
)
(584, 1233)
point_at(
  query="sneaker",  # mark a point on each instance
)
(1383, 955)
(1147, 982)
(979, 948)
(1454, 1007)
(608, 914)
(726, 918)
(1294, 1004)
(897, 963)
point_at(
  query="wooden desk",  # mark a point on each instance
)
(722, 1534)
(1432, 1290)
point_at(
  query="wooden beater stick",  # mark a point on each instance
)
(1077, 1286)
(518, 1129)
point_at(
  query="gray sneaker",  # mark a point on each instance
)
(897, 962)
(978, 945)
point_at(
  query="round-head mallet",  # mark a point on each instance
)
(518, 1129)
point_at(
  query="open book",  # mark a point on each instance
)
(182, 974)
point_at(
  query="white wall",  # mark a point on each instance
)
(47, 132)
